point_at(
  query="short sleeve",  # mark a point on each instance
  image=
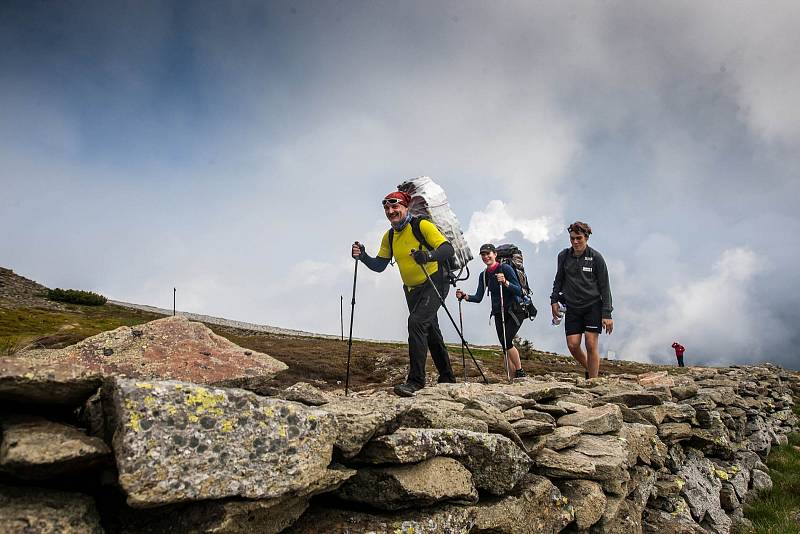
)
(384, 251)
(431, 234)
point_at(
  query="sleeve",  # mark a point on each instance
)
(603, 285)
(478, 296)
(432, 234)
(379, 262)
(384, 252)
(376, 264)
(444, 252)
(513, 282)
(558, 282)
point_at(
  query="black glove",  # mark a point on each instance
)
(421, 256)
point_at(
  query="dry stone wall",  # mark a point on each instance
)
(95, 451)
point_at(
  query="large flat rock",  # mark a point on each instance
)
(228, 516)
(177, 442)
(357, 420)
(46, 382)
(172, 348)
(45, 511)
(34, 448)
(535, 505)
(411, 486)
(495, 462)
(600, 420)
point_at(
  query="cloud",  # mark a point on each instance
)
(719, 318)
(238, 157)
(495, 222)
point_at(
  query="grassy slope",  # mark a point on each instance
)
(38, 327)
(778, 511)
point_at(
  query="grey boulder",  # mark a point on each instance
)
(411, 486)
(599, 420)
(495, 461)
(535, 505)
(177, 442)
(34, 448)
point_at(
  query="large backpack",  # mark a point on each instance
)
(428, 201)
(512, 255)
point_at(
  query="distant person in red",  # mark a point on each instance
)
(679, 352)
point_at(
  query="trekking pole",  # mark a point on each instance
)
(503, 325)
(463, 341)
(350, 340)
(463, 357)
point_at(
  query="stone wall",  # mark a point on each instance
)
(89, 452)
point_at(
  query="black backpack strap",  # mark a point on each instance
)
(415, 221)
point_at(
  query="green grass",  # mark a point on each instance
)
(32, 327)
(778, 511)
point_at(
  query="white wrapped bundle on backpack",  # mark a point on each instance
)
(429, 201)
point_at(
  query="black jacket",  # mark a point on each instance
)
(582, 281)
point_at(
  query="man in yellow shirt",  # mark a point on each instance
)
(415, 244)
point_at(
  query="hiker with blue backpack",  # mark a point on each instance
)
(419, 248)
(507, 296)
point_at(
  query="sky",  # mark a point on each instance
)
(235, 150)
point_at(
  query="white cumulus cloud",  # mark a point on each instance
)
(496, 221)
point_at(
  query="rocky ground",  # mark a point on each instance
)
(117, 434)
(168, 426)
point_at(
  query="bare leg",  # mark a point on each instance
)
(593, 353)
(574, 346)
(513, 356)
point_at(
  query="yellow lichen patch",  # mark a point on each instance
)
(172, 410)
(680, 483)
(227, 425)
(29, 376)
(144, 385)
(734, 469)
(178, 387)
(134, 423)
(205, 401)
(721, 474)
(193, 418)
(247, 413)
(149, 401)
(268, 411)
(282, 431)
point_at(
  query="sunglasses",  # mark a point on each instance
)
(390, 201)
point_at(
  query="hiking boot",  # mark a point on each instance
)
(520, 373)
(406, 390)
(446, 380)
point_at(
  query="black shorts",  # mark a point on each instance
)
(513, 324)
(580, 320)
